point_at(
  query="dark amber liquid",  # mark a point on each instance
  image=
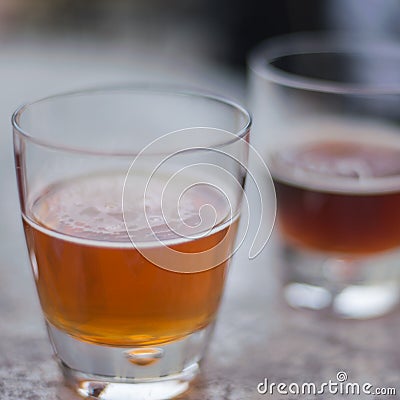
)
(113, 295)
(353, 220)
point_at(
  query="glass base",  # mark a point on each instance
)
(147, 373)
(115, 388)
(357, 288)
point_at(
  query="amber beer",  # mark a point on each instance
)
(96, 286)
(339, 196)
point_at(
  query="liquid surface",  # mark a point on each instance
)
(339, 166)
(95, 285)
(91, 208)
(340, 197)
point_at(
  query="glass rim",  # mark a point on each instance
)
(311, 43)
(166, 89)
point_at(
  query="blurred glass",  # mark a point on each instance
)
(326, 119)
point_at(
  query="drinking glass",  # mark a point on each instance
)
(327, 115)
(130, 201)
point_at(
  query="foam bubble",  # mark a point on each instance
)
(91, 208)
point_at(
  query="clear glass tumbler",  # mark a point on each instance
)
(130, 202)
(327, 115)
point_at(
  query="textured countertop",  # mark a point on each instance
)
(256, 337)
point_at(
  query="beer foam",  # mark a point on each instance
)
(91, 208)
(363, 164)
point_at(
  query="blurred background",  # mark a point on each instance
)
(186, 41)
(198, 42)
(218, 31)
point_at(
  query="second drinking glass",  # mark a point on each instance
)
(327, 117)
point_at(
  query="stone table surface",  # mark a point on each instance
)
(257, 335)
